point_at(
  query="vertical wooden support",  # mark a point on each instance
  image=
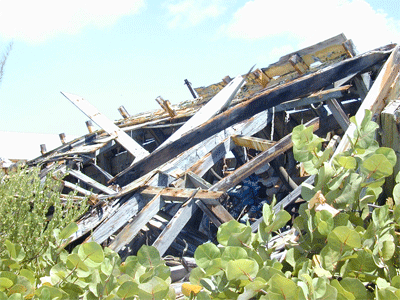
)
(43, 149)
(62, 137)
(89, 125)
(390, 124)
(298, 64)
(124, 113)
(166, 106)
(261, 77)
(338, 113)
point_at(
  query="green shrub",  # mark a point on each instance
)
(31, 209)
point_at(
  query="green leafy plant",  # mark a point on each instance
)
(88, 272)
(345, 246)
(31, 210)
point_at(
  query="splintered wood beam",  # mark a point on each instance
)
(129, 232)
(208, 212)
(337, 92)
(175, 225)
(113, 130)
(115, 221)
(210, 159)
(259, 161)
(375, 99)
(268, 99)
(77, 188)
(252, 142)
(182, 194)
(338, 113)
(83, 177)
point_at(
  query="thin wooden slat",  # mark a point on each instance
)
(121, 137)
(79, 175)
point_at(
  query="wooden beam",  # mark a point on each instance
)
(242, 111)
(119, 218)
(252, 142)
(338, 113)
(182, 194)
(83, 177)
(390, 118)
(129, 232)
(375, 99)
(113, 130)
(175, 225)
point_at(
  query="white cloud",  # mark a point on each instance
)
(40, 20)
(310, 21)
(191, 12)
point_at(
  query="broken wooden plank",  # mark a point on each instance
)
(113, 130)
(182, 194)
(270, 98)
(129, 232)
(83, 177)
(174, 227)
(218, 103)
(252, 142)
(375, 99)
(338, 113)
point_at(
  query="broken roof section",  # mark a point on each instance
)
(174, 195)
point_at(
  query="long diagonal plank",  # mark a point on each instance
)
(129, 232)
(268, 99)
(79, 175)
(175, 225)
(113, 130)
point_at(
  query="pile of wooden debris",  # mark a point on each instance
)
(170, 177)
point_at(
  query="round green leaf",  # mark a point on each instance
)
(91, 253)
(155, 288)
(205, 253)
(233, 253)
(128, 289)
(283, 287)
(377, 166)
(5, 283)
(241, 269)
(233, 233)
(347, 162)
(343, 238)
(149, 256)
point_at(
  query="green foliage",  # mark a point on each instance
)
(31, 212)
(88, 272)
(345, 249)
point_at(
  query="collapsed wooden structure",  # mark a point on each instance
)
(148, 188)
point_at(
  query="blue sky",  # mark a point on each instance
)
(129, 52)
